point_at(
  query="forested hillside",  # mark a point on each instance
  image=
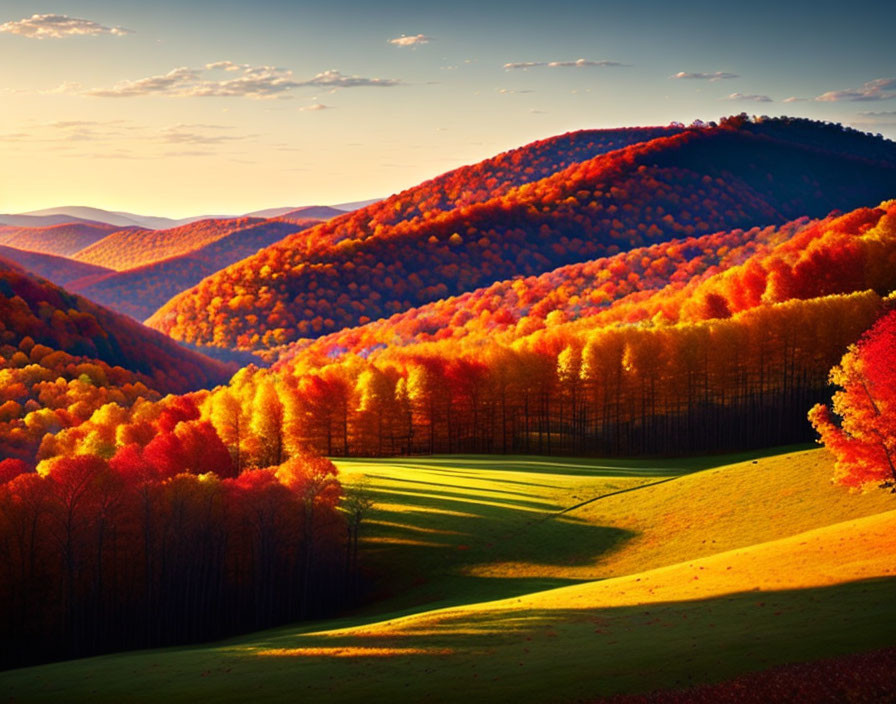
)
(139, 292)
(64, 239)
(61, 271)
(438, 240)
(126, 249)
(730, 354)
(63, 357)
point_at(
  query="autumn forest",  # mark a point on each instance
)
(200, 425)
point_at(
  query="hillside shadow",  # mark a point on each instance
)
(422, 547)
(644, 647)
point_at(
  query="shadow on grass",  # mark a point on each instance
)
(457, 531)
(453, 490)
(659, 644)
(499, 652)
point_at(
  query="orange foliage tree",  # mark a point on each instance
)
(864, 439)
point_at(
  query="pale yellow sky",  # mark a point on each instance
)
(179, 109)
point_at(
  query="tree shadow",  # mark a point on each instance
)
(567, 653)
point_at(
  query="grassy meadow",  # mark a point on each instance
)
(533, 579)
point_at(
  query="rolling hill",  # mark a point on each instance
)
(139, 292)
(58, 320)
(317, 212)
(708, 344)
(58, 270)
(62, 358)
(636, 280)
(128, 249)
(120, 219)
(64, 240)
(526, 212)
(733, 594)
(117, 218)
(41, 220)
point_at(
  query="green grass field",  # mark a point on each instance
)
(553, 579)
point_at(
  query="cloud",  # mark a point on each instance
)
(578, 63)
(878, 89)
(183, 134)
(511, 91)
(172, 81)
(225, 66)
(117, 154)
(80, 124)
(714, 76)
(189, 153)
(750, 96)
(67, 87)
(336, 79)
(255, 82)
(794, 99)
(59, 26)
(885, 118)
(247, 82)
(124, 139)
(414, 40)
(315, 107)
(199, 126)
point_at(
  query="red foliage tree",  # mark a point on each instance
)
(864, 440)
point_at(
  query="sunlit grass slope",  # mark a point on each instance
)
(465, 528)
(798, 570)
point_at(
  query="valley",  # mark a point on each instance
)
(502, 595)
(541, 428)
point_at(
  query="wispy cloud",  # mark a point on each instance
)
(336, 79)
(883, 118)
(176, 79)
(82, 124)
(225, 66)
(114, 132)
(190, 134)
(578, 63)
(705, 76)
(511, 91)
(248, 82)
(190, 153)
(71, 87)
(753, 97)
(415, 40)
(59, 26)
(794, 99)
(116, 154)
(878, 89)
(315, 107)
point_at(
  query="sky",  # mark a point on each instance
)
(186, 108)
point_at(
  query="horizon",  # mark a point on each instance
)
(179, 111)
(240, 213)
